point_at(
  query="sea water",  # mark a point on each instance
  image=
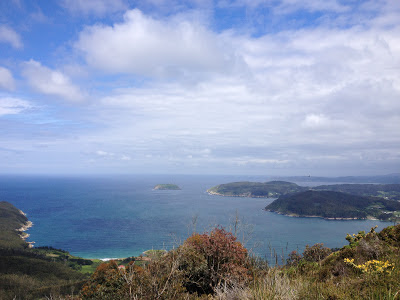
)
(121, 216)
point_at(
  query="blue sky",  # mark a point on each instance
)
(274, 87)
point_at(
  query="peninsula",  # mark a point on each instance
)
(13, 224)
(334, 205)
(271, 189)
(386, 191)
(274, 189)
(166, 186)
(33, 273)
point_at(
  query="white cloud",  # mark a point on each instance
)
(12, 106)
(8, 35)
(6, 79)
(103, 153)
(243, 161)
(315, 121)
(50, 82)
(39, 17)
(146, 46)
(112, 156)
(95, 7)
(307, 97)
(303, 89)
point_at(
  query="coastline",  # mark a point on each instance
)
(325, 218)
(25, 227)
(239, 196)
(23, 235)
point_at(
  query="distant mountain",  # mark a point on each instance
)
(386, 179)
(386, 191)
(331, 204)
(274, 189)
(255, 189)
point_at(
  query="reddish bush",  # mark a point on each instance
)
(212, 259)
(105, 283)
(201, 264)
(293, 258)
(316, 252)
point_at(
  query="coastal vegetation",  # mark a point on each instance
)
(270, 189)
(12, 223)
(27, 273)
(166, 186)
(212, 265)
(215, 265)
(329, 204)
(339, 201)
(386, 191)
(384, 179)
(274, 189)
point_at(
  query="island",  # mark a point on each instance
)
(274, 189)
(334, 205)
(166, 186)
(271, 189)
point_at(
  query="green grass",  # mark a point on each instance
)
(154, 253)
(91, 268)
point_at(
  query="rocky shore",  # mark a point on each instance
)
(25, 227)
(310, 216)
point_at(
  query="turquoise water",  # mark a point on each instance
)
(120, 216)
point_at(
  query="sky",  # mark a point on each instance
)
(252, 87)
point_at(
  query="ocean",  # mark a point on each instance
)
(121, 216)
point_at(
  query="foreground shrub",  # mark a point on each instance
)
(216, 266)
(105, 283)
(160, 279)
(316, 252)
(214, 259)
(293, 258)
(372, 266)
(202, 264)
(391, 235)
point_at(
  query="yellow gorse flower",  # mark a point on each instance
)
(372, 266)
(349, 261)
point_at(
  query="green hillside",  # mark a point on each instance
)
(255, 189)
(329, 204)
(274, 189)
(387, 191)
(30, 273)
(11, 220)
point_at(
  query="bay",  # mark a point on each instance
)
(121, 216)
